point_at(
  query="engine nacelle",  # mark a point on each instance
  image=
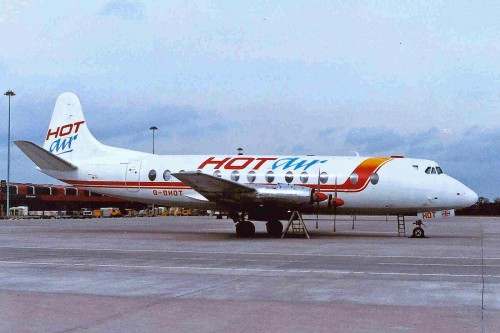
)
(281, 195)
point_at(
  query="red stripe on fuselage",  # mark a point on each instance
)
(364, 170)
(122, 184)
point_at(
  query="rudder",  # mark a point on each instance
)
(68, 135)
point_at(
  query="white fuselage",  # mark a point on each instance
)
(399, 186)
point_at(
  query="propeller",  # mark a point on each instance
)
(335, 202)
(317, 196)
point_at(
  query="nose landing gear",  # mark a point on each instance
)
(418, 232)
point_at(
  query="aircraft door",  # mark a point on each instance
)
(132, 176)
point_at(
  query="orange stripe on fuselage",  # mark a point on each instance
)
(364, 171)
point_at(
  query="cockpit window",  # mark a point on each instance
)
(433, 170)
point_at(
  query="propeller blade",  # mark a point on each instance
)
(317, 214)
(335, 186)
(334, 219)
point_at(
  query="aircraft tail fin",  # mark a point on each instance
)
(44, 159)
(68, 135)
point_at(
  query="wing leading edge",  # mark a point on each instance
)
(213, 188)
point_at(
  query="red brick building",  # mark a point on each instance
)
(60, 197)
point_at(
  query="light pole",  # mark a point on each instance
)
(9, 93)
(153, 128)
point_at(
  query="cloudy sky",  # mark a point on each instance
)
(420, 79)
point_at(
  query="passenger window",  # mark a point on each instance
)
(354, 178)
(235, 175)
(289, 177)
(166, 175)
(304, 177)
(374, 178)
(439, 170)
(217, 174)
(152, 175)
(251, 176)
(433, 171)
(323, 178)
(269, 176)
(428, 170)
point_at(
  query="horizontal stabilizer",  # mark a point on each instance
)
(44, 159)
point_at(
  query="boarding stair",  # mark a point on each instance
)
(401, 226)
(296, 223)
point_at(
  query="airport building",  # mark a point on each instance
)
(48, 197)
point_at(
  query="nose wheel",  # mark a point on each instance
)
(418, 231)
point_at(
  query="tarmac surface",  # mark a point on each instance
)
(192, 274)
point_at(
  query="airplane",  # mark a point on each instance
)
(252, 188)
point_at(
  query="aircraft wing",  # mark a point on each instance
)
(213, 188)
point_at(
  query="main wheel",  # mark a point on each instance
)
(418, 232)
(274, 228)
(245, 229)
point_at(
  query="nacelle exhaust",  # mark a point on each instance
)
(285, 195)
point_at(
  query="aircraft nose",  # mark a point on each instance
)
(470, 197)
(467, 196)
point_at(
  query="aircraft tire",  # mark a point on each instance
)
(418, 233)
(274, 228)
(245, 229)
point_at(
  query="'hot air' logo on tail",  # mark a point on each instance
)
(65, 135)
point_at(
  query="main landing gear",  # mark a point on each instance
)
(245, 228)
(274, 228)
